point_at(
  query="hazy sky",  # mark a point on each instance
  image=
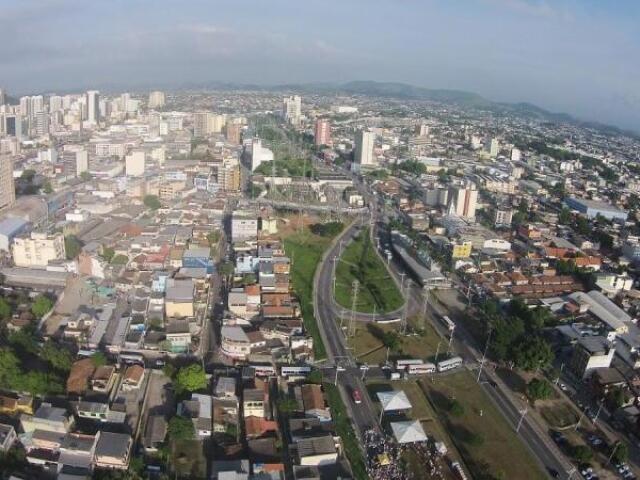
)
(576, 56)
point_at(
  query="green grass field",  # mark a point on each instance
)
(305, 250)
(377, 292)
(369, 349)
(483, 437)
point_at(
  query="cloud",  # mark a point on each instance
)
(534, 8)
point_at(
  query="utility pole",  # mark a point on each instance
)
(484, 355)
(335, 259)
(451, 340)
(595, 419)
(438, 352)
(356, 286)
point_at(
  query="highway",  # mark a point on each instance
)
(532, 434)
(364, 416)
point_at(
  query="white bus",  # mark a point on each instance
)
(403, 364)
(447, 322)
(299, 372)
(450, 364)
(264, 370)
(421, 369)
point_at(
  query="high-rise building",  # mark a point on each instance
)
(200, 124)
(40, 124)
(93, 106)
(217, 122)
(134, 163)
(492, 146)
(156, 99)
(55, 103)
(463, 201)
(322, 132)
(363, 154)
(422, 130)
(7, 187)
(3, 97)
(292, 109)
(516, 155)
(233, 133)
(75, 160)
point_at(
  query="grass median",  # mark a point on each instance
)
(487, 443)
(377, 291)
(305, 249)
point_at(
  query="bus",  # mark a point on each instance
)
(403, 364)
(450, 364)
(264, 370)
(129, 358)
(299, 372)
(421, 369)
(447, 322)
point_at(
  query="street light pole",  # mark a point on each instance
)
(524, 412)
(484, 355)
(595, 419)
(335, 381)
(613, 452)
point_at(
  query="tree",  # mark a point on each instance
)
(58, 357)
(24, 342)
(40, 383)
(226, 269)
(287, 405)
(181, 428)
(107, 253)
(47, 188)
(621, 453)
(99, 359)
(152, 202)
(581, 453)
(564, 217)
(539, 389)
(85, 176)
(190, 379)
(455, 408)
(5, 309)
(41, 306)
(9, 368)
(119, 260)
(532, 353)
(72, 246)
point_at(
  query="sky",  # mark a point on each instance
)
(576, 56)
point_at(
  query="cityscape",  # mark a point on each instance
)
(314, 280)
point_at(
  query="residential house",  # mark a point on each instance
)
(113, 450)
(7, 437)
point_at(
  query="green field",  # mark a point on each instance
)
(423, 344)
(377, 291)
(487, 443)
(305, 251)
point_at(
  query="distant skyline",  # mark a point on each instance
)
(573, 56)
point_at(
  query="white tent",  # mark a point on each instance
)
(394, 400)
(408, 432)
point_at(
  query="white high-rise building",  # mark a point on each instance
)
(515, 154)
(463, 201)
(55, 103)
(292, 109)
(156, 99)
(363, 154)
(134, 163)
(200, 124)
(93, 106)
(3, 97)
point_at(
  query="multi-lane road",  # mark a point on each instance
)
(364, 415)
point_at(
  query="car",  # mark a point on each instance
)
(357, 398)
(553, 472)
(563, 387)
